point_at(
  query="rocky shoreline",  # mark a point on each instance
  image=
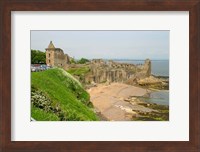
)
(154, 82)
(150, 111)
(122, 102)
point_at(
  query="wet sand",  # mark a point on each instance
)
(109, 100)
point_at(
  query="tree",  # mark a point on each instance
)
(38, 57)
(83, 61)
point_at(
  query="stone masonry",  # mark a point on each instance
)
(110, 71)
(56, 57)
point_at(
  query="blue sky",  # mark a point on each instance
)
(106, 44)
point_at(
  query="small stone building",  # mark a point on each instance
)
(56, 57)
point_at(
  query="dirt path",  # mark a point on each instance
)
(109, 100)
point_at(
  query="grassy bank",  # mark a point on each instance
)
(64, 96)
(79, 70)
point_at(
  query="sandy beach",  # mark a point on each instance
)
(109, 100)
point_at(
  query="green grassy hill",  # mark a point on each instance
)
(57, 95)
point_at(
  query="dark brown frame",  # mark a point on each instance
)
(193, 6)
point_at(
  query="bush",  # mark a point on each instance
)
(83, 61)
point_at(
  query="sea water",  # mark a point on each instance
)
(158, 97)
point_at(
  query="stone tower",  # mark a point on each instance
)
(50, 54)
(56, 57)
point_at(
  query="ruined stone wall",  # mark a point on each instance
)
(56, 57)
(144, 70)
(59, 58)
(110, 71)
(67, 58)
(147, 67)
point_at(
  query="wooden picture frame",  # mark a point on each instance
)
(7, 6)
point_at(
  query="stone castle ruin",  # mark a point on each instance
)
(100, 71)
(109, 71)
(56, 57)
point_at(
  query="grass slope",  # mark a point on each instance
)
(43, 115)
(63, 89)
(79, 71)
